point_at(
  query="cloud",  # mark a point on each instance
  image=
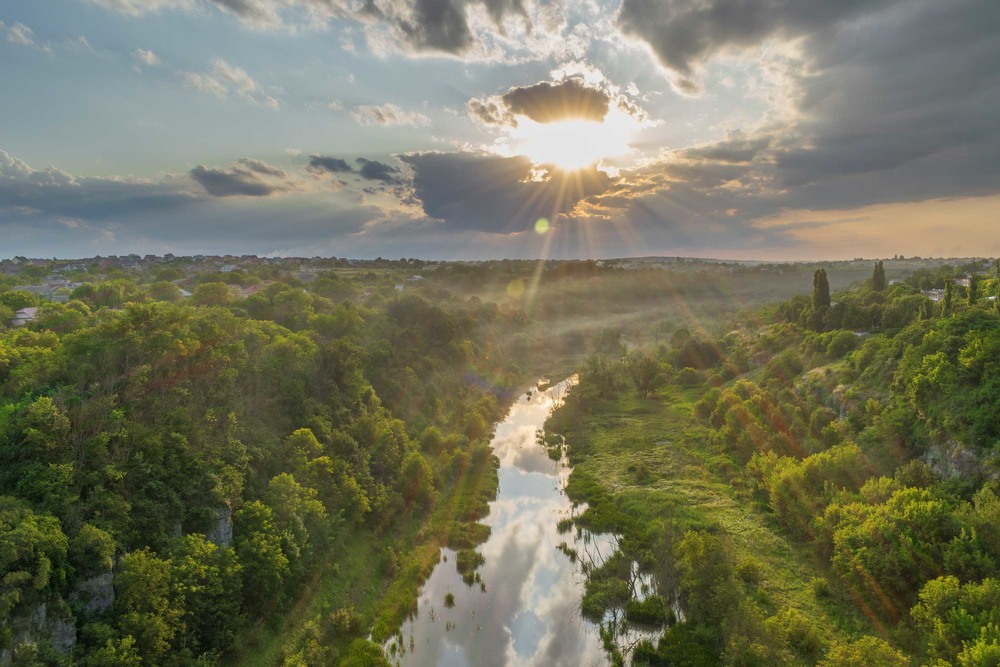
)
(485, 30)
(206, 84)
(735, 149)
(577, 92)
(139, 7)
(224, 78)
(18, 33)
(246, 177)
(683, 35)
(328, 164)
(146, 57)
(857, 119)
(373, 170)
(497, 194)
(49, 212)
(58, 193)
(547, 102)
(491, 111)
(388, 114)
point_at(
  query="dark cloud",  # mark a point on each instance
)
(436, 25)
(374, 170)
(891, 102)
(547, 102)
(497, 194)
(328, 163)
(685, 34)
(259, 167)
(54, 192)
(737, 149)
(490, 112)
(246, 177)
(551, 101)
(440, 26)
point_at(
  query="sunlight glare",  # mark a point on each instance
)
(573, 144)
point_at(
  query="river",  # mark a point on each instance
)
(527, 610)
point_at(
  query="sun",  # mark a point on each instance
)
(573, 144)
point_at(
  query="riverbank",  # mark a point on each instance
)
(650, 473)
(377, 574)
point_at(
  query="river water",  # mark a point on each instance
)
(526, 611)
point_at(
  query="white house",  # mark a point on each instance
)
(24, 316)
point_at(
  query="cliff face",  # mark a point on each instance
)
(48, 621)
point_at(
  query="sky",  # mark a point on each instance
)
(480, 129)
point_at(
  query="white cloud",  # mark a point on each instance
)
(389, 114)
(224, 78)
(138, 7)
(146, 57)
(206, 84)
(18, 33)
(235, 75)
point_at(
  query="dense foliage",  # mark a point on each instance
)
(862, 429)
(214, 454)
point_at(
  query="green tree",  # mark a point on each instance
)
(204, 578)
(865, 652)
(949, 298)
(973, 293)
(211, 294)
(91, 551)
(926, 310)
(147, 611)
(32, 556)
(821, 290)
(646, 373)
(706, 577)
(258, 544)
(878, 277)
(164, 291)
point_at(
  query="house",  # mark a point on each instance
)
(934, 295)
(24, 316)
(228, 268)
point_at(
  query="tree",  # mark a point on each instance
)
(204, 578)
(164, 291)
(865, 652)
(821, 290)
(973, 293)
(211, 294)
(143, 600)
(646, 373)
(878, 277)
(926, 310)
(265, 566)
(949, 298)
(33, 556)
(706, 577)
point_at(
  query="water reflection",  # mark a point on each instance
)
(526, 612)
